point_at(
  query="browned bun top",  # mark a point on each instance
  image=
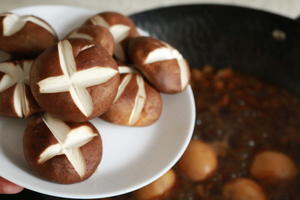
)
(57, 153)
(25, 36)
(98, 34)
(114, 18)
(94, 85)
(163, 65)
(16, 99)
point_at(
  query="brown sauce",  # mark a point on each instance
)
(240, 116)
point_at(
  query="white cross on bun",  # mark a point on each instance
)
(25, 36)
(136, 103)
(75, 80)
(163, 66)
(120, 26)
(16, 99)
(98, 34)
(62, 152)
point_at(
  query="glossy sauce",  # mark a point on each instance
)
(240, 117)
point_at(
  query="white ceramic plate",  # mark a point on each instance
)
(132, 157)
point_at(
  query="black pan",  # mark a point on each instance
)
(228, 36)
(224, 36)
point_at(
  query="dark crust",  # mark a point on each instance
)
(61, 104)
(38, 137)
(30, 41)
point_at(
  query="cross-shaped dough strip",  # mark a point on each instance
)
(11, 75)
(96, 75)
(69, 143)
(20, 100)
(74, 81)
(16, 75)
(118, 31)
(66, 58)
(13, 23)
(122, 86)
(126, 70)
(76, 34)
(139, 101)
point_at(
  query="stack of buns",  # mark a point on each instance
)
(103, 68)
